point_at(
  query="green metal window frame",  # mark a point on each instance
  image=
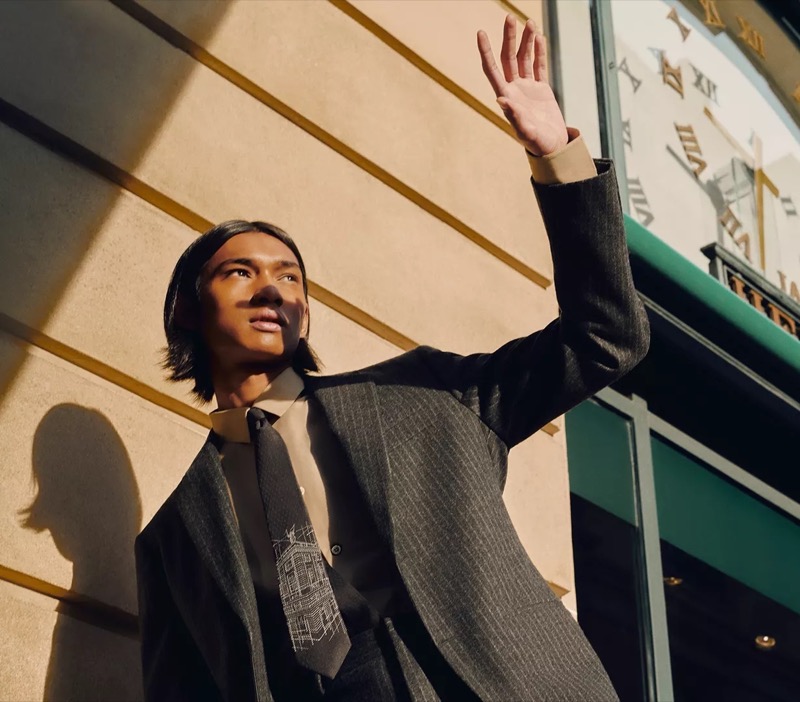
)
(658, 673)
(752, 363)
(710, 295)
(645, 426)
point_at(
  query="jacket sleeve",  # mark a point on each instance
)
(601, 331)
(172, 666)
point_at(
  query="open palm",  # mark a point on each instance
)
(522, 88)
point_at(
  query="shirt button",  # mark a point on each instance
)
(336, 549)
(302, 490)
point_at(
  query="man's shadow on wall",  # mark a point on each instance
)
(87, 498)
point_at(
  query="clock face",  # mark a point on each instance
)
(710, 103)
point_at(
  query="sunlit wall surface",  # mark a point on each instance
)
(365, 129)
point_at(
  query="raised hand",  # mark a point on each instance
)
(522, 89)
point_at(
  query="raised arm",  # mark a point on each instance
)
(602, 331)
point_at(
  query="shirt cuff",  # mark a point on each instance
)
(567, 165)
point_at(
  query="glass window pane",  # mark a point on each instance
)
(734, 564)
(599, 450)
(606, 542)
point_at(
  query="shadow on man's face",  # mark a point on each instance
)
(87, 498)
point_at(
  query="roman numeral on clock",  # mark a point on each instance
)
(788, 205)
(639, 201)
(731, 224)
(626, 134)
(712, 18)
(704, 84)
(671, 75)
(729, 221)
(673, 15)
(623, 68)
(750, 36)
(691, 147)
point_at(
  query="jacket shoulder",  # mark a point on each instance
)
(408, 363)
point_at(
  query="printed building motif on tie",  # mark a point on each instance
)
(309, 604)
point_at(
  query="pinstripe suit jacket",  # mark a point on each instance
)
(408, 426)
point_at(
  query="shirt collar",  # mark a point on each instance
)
(231, 424)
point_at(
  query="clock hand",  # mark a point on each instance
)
(725, 216)
(746, 157)
(762, 180)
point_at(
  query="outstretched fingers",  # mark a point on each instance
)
(519, 65)
(540, 59)
(524, 63)
(507, 56)
(490, 68)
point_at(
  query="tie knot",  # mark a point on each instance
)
(256, 419)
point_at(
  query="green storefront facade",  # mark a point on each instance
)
(685, 475)
(685, 500)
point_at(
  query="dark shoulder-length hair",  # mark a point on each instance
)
(186, 356)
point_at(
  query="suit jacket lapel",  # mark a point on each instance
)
(350, 404)
(206, 510)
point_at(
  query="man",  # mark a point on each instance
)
(344, 537)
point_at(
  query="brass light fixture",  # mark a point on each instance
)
(765, 643)
(672, 581)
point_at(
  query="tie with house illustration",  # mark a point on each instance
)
(318, 634)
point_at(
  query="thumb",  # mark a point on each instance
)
(508, 110)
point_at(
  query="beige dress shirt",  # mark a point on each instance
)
(345, 532)
(569, 164)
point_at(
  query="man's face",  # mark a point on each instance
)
(254, 308)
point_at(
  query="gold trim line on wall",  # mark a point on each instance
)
(204, 57)
(67, 148)
(420, 63)
(87, 609)
(514, 10)
(102, 370)
(558, 590)
(103, 615)
(62, 145)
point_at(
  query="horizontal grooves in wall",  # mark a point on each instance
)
(100, 614)
(201, 55)
(127, 382)
(428, 69)
(102, 370)
(359, 316)
(86, 609)
(62, 145)
(90, 610)
(66, 147)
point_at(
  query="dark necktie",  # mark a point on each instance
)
(318, 634)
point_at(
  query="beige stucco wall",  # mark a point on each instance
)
(365, 129)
